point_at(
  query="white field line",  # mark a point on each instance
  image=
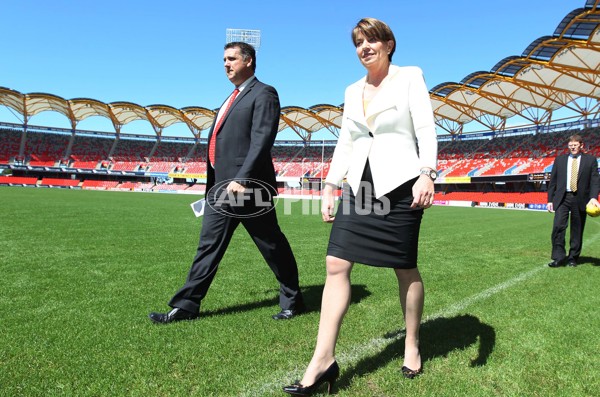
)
(356, 353)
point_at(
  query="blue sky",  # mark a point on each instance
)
(158, 52)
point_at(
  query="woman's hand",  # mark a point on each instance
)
(327, 204)
(423, 192)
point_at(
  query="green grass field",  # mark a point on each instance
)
(81, 270)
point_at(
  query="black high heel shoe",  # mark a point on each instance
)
(411, 373)
(330, 376)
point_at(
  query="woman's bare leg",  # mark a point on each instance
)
(334, 305)
(412, 297)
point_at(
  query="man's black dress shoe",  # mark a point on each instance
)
(571, 262)
(174, 315)
(287, 314)
(556, 263)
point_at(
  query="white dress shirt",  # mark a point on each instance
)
(569, 165)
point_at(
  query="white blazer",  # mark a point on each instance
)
(397, 133)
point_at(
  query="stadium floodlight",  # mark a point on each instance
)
(249, 36)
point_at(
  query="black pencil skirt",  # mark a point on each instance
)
(382, 233)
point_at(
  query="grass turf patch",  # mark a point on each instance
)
(82, 269)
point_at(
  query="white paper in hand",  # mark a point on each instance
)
(198, 207)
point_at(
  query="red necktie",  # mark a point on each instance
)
(213, 139)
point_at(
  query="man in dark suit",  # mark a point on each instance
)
(574, 183)
(240, 189)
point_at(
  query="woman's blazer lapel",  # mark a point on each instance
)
(354, 107)
(385, 99)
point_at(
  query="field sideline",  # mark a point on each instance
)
(82, 269)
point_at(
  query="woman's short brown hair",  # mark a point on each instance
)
(373, 28)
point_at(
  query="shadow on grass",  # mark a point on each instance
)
(588, 259)
(312, 299)
(438, 338)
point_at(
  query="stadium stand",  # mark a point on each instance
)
(200, 188)
(170, 187)
(195, 167)
(531, 197)
(99, 185)
(87, 152)
(170, 151)
(59, 182)
(499, 157)
(133, 150)
(515, 155)
(130, 185)
(117, 165)
(18, 180)
(146, 186)
(45, 149)
(303, 161)
(9, 149)
(499, 163)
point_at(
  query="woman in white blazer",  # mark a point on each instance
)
(387, 150)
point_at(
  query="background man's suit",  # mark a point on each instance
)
(564, 203)
(243, 152)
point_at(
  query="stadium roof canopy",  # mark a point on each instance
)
(557, 71)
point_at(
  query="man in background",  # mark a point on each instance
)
(574, 183)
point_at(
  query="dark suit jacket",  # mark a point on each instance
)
(243, 145)
(588, 181)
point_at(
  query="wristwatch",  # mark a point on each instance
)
(430, 173)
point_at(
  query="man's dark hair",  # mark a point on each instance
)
(246, 50)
